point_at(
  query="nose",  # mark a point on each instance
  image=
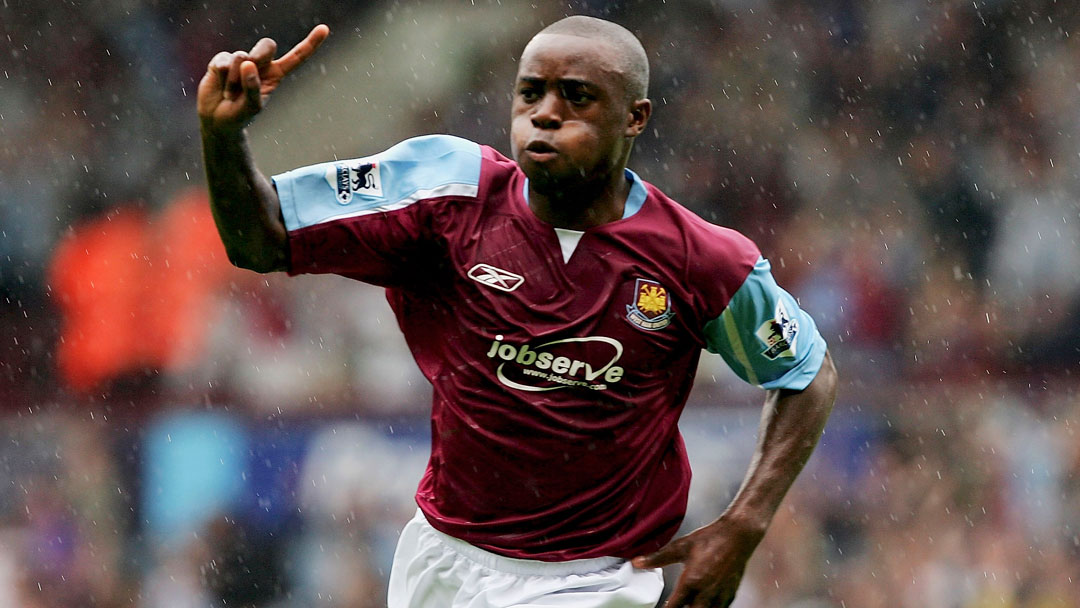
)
(547, 113)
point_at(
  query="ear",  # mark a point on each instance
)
(638, 117)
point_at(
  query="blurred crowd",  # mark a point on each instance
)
(178, 433)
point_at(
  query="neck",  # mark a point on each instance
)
(580, 206)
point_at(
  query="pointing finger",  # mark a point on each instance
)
(301, 52)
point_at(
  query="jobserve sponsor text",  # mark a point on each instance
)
(587, 362)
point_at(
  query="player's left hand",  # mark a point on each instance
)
(714, 559)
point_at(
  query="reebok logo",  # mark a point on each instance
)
(500, 279)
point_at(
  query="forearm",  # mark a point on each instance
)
(244, 203)
(791, 424)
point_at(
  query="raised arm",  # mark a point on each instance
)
(245, 205)
(715, 555)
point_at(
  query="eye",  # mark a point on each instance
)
(577, 96)
(529, 94)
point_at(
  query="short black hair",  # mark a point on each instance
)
(634, 62)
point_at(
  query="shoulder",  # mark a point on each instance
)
(711, 261)
(433, 147)
(450, 157)
(435, 158)
(704, 243)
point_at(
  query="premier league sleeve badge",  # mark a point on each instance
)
(779, 333)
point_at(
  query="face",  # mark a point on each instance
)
(572, 122)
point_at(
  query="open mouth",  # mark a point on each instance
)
(541, 150)
(540, 146)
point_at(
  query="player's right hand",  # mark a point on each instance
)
(236, 85)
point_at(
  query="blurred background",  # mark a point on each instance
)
(176, 433)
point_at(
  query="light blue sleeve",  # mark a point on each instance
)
(421, 168)
(765, 337)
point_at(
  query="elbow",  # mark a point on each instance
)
(262, 252)
(261, 264)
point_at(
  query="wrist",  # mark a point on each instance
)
(750, 524)
(214, 130)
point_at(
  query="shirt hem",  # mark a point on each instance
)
(515, 565)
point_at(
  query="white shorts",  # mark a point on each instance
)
(434, 570)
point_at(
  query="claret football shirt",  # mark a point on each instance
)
(560, 362)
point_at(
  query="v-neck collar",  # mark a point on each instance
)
(568, 240)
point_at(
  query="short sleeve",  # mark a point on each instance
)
(765, 337)
(364, 217)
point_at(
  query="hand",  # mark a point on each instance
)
(236, 85)
(714, 559)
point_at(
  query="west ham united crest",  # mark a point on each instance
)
(651, 309)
